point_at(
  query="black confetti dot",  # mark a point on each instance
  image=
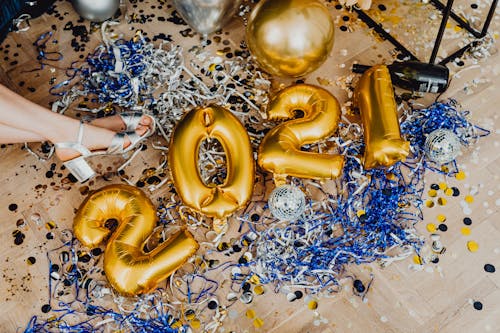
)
(97, 251)
(359, 286)
(489, 268)
(255, 217)
(212, 305)
(456, 191)
(46, 308)
(467, 221)
(242, 260)
(246, 286)
(236, 248)
(478, 305)
(298, 294)
(443, 227)
(435, 260)
(474, 6)
(382, 7)
(435, 187)
(31, 260)
(343, 28)
(12, 207)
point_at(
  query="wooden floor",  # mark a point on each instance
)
(404, 297)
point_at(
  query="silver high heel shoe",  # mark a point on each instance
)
(133, 119)
(80, 168)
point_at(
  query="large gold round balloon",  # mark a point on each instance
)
(290, 37)
(129, 269)
(374, 96)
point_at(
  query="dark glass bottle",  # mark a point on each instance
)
(415, 76)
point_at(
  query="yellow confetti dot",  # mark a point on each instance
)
(360, 212)
(195, 323)
(190, 316)
(469, 198)
(460, 175)
(429, 203)
(444, 168)
(472, 246)
(390, 176)
(250, 313)
(465, 231)
(312, 305)
(448, 192)
(254, 279)
(443, 186)
(258, 323)
(417, 260)
(431, 227)
(259, 290)
(176, 324)
(457, 28)
(442, 201)
(441, 218)
(432, 193)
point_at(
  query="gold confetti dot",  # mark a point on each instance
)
(441, 218)
(472, 246)
(443, 186)
(250, 313)
(460, 175)
(444, 168)
(465, 231)
(258, 290)
(254, 279)
(417, 260)
(442, 201)
(431, 227)
(258, 323)
(469, 198)
(195, 323)
(176, 324)
(312, 305)
(360, 212)
(190, 316)
(432, 193)
(390, 176)
(429, 203)
(448, 192)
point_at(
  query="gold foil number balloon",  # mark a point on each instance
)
(128, 268)
(374, 96)
(216, 201)
(280, 151)
(290, 37)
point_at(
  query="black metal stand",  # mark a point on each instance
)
(448, 12)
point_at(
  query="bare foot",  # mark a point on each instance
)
(115, 123)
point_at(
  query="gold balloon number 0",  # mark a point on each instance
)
(280, 151)
(129, 269)
(218, 201)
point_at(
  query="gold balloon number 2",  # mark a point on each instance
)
(129, 269)
(280, 151)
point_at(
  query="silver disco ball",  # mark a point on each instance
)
(442, 146)
(287, 202)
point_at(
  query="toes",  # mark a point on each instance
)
(146, 121)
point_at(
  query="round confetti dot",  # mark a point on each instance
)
(448, 192)
(46, 308)
(359, 286)
(443, 186)
(246, 297)
(460, 175)
(12, 207)
(478, 305)
(441, 218)
(469, 198)
(298, 294)
(31, 260)
(246, 286)
(417, 260)
(250, 313)
(442, 227)
(489, 268)
(432, 193)
(255, 279)
(312, 305)
(456, 191)
(472, 246)
(291, 297)
(465, 231)
(258, 323)
(258, 290)
(435, 187)
(195, 323)
(442, 201)
(429, 203)
(190, 315)
(212, 305)
(431, 227)
(360, 212)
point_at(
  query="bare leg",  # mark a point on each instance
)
(14, 135)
